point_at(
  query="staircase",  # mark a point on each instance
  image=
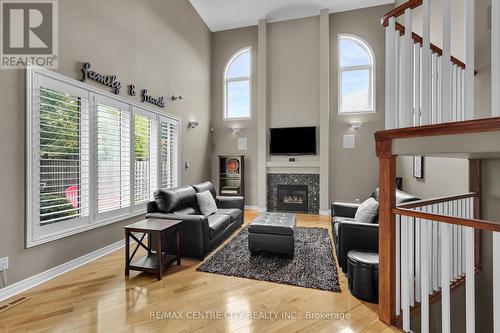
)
(430, 247)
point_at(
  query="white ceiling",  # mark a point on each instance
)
(230, 14)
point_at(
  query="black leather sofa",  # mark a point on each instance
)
(351, 235)
(199, 234)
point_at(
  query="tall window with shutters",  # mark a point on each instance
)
(92, 158)
(356, 76)
(63, 164)
(168, 153)
(145, 158)
(113, 156)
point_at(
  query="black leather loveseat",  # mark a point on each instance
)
(199, 234)
(351, 235)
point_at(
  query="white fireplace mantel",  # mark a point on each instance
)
(302, 167)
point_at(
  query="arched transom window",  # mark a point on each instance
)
(237, 85)
(356, 76)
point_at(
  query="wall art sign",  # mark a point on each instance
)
(107, 80)
(112, 82)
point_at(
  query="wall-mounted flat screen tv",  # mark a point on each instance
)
(292, 141)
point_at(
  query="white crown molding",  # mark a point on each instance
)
(35, 280)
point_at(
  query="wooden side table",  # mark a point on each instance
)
(153, 262)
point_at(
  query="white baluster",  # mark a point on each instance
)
(407, 78)
(434, 95)
(439, 115)
(455, 241)
(446, 63)
(470, 307)
(445, 277)
(398, 265)
(426, 66)
(496, 279)
(405, 274)
(495, 58)
(469, 58)
(435, 251)
(425, 273)
(418, 232)
(411, 253)
(391, 74)
(416, 87)
(453, 93)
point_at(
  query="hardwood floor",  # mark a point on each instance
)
(99, 298)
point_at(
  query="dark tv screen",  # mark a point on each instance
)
(293, 141)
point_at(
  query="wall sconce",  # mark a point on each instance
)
(236, 130)
(193, 124)
(356, 125)
(177, 98)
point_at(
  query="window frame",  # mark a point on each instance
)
(34, 78)
(226, 81)
(371, 69)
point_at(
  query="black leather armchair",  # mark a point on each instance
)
(351, 235)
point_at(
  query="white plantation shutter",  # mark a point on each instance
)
(168, 153)
(64, 157)
(145, 157)
(92, 158)
(113, 156)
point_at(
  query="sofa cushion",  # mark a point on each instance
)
(233, 213)
(367, 211)
(173, 199)
(217, 223)
(206, 203)
(205, 186)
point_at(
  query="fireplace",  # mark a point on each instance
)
(292, 198)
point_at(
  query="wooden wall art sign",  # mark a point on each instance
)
(112, 82)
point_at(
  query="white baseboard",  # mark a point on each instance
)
(324, 212)
(35, 280)
(248, 207)
(262, 209)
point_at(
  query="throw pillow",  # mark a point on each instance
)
(206, 203)
(367, 211)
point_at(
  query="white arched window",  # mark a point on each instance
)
(237, 85)
(356, 75)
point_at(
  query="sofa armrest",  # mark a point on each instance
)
(151, 207)
(356, 236)
(194, 233)
(344, 209)
(230, 202)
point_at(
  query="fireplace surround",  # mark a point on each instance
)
(303, 196)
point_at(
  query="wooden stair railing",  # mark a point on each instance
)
(448, 211)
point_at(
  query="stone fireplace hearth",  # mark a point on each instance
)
(293, 192)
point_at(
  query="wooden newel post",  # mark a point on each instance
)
(387, 232)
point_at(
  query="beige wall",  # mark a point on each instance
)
(293, 73)
(354, 172)
(224, 45)
(293, 88)
(162, 45)
(442, 177)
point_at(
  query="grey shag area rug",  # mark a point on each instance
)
(313, 265)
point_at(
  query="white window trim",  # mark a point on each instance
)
(32, 75)
(226, 81)
(372, 70)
